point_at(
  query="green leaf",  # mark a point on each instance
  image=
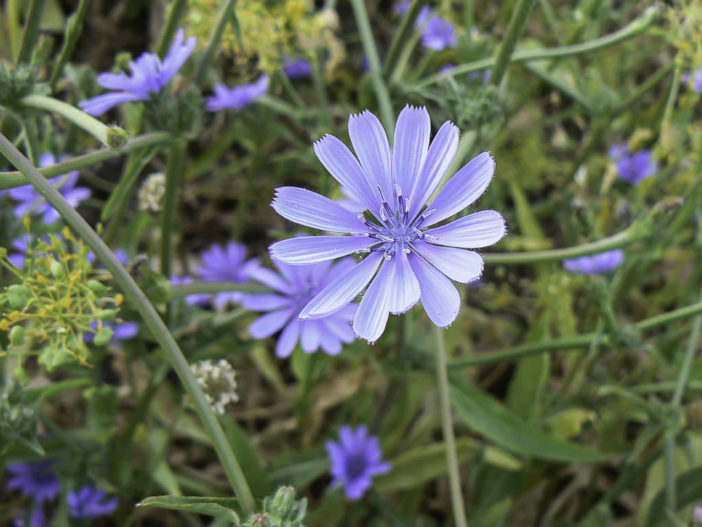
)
(688, 487)
(217, 507)
(488, 417)
(248, 458)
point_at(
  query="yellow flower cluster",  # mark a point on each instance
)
(268, 30)
(685, 23)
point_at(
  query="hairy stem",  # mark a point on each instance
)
(74, 26)
(514, 31)
(225, 15)
(31, 31)
(174, 176)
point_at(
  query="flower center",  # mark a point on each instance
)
(355, 466)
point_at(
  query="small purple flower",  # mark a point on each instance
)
(238, 96)
(296, 286)
(483, 76)
(226, 264)
(696, 77)
(402, 7)
(30, 201)
(596, 263)
(120, 331)
(197, 299)
(438, 34)
(120, 254)
(89, 502)
(355, 459)
(698, 513)
(37, 519)
(446, 68)
(633, 167)
(21, 247)
(148, 75)
(296, 68)
(35, 479)
(412, 263)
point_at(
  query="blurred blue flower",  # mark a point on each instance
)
(596, 263)
(412, 263)
(698, 513)
(696, 77)
(197, 299)
(483, 76)
(355, 459)
(238, 96)
(438, 34)
(120, 331)
(120, 254)
(30, 201)
(35, 479)
(401, 8)
(633, 166)
(148, 75)
(296, 286)
(89, 502)
(296, 68)
(37, 519)
(225, 263)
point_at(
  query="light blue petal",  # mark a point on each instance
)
(270, 323)
(405, 288)
(373, 151)
(288, 339)
(458, 264)
(410, 146)
(479, 229)
(311, 249)
(265, 302)
(373, 311)
(309, 337)
(439, 296)
(100, 104)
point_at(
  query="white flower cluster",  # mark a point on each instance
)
(217, 381)
(151, 192)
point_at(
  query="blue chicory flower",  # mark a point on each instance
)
(296, 68)
(696, 77)
(38, 519)
(197, 299)
(633, 166)
(35, 479)
(355, 459)
(698, 513)
(238, 96)
(30, 201)
(120, 331)
(295, 287)
(394, 185)
(438, 34)
(596, 263)
(226, 264)
(89, 502)
(148, 76)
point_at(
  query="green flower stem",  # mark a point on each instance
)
(616, 241)
(194, 288)
(320, 89)
(225, 15)
(509, 42)
(174, 177)
(381, 91)
(17, 179)
(31, 31)
(664, 387)
(576, 342)
(670, 492)
(672, 95)
(459, 515)
(645, 86)
(111, 136)
(636, 27)
(74, 26)
(12, 23)
(402, 36)
(149, 315)
(165, 39)
(684, 374)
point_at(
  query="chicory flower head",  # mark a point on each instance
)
(89, 502)
(295, 287)
(355, 459)
(225, 263)
(438, 34)
(30, 201)
(596, 263)
(296, 68)
(38, 519)
(696, 77)
(633, 166)
(35, 479)
(413, 262)
(238, 96)
(148, 75)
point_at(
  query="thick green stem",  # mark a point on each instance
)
(509, 42)
(149, 315)
(634, 28)
(174, 176)
(31, 31)
(225, 15)
(74, 27)
(111, 136)
(381, 91)
(459, 507)
(17, 179)
(402, 36)
(175, 13)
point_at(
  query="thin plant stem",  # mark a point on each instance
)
(13, 25)
(381, 91)
(634, 28)
(195, 288)
(459, 508)
(149, 315)
(670, 491)
(31, 31)
(509, 42)
(111, 136)
(319, 88)
(672, 95)
(685, 368)
(17, 179)
(74, 26)
(225, 15)
(174, 176)
(175, 13)
(402, 36)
